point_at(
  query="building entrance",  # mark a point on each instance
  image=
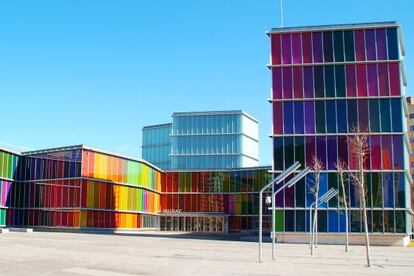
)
(194, 223)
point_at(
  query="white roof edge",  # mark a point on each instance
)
(211, 113)
(349, 26)
(10, 150)
(92, 149)
(157, 126)
(220, 170)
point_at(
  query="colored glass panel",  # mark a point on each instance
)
(359, 45)
(275, 48)
(286, 49)
(277, 83)
(320, 116)
(329, 81)
(350, 80)
(298, 113)
(317, 47)
(310, 117)
(363, 115)
(374, 115)
(394, 76)
(385, 115)
(349, 45)
(370, 44)
(330, 118)
(288, 117)
(308, 81)
(352, 115)
(383, 79)
(381, 44)
(307, 47)
(372, 80)
(287, 82)
(297, 82)
(361, 80)
(277, 118)
(341, 116)
(327, 47)
(392, 41)
(338, 46)
(296, 48)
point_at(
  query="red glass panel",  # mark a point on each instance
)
(350, 80)
(307, 47)
(375, 152)
(394, 72)
(383, 79)
(359, 45)
(297, 82)
(275, 48)
(386, 152)
(362, 80)
(276, 83)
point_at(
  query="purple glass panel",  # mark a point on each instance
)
(310, 150)
(297, 82)
(290, 196)
(280, 196)
(308, 81)
(310, 117)
(375, 152)
(398, 148)
(363, 115)
(307, 47)
(288, 117)
(394, 73)
(321, 149)
(286, 49)
(296, 48)
(372, 80)
(276, 83)
(342, 149)
(359, 45)
(298, 117)
(370, 44)
(350, 80)
(317, 47)
(277, 118)
(332, 152)
(386, 152)
(383, 79)
(381, 44)
(287, 83)
(275, 48)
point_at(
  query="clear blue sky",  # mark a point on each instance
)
(95, 72)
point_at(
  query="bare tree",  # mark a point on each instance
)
(359, 150)
(316, 167)
(340, 166)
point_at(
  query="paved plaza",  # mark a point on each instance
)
(158, 253)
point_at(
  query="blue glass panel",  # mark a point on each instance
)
(299, 117)
(397, 118)
(342, 221)
(333, 221)
(330, 116)
(392, 44)
(288, 117)
(323, 187)
(341, 116)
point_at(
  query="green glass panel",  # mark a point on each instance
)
(400, 224)
(349, 45)
(300, 149)
(289, 151)
(338, 46)
(329, 81)
(130, 176)
(333, 183)
(374, 113)
(188, 182)
(377, 221)
(300, 193)
(368, 185)
(385, 115)
(1, 163)
(280, 219)
(10, 167)
(320, 116)
(340, 80)
(389, 221)
(376, 186)
(226, 182)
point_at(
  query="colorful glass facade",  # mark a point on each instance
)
(328, 81)
(233, 193)
(79, 187)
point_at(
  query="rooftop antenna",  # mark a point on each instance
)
(281, 13)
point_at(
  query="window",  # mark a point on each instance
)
(412, 116)
(411, 128)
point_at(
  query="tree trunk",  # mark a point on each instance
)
(364, 209)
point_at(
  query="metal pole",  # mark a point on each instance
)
(281, 13)
(273, 225)
(260, 224)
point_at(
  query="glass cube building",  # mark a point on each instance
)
(214, 140)
(327, 81)
(156, 145)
